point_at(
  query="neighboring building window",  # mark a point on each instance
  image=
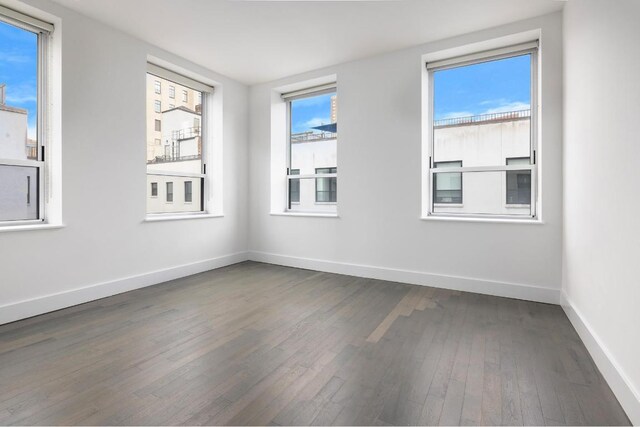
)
(326, 188)
(482, 106)
(312, 149)
(154, 189)
(172, 91)
(185, 96)
(188, 191)
(176, 158)
(518, 182)
(158, 87)
(169, 191)
(23, 86)
(447, 187)
(171, 106)
(158, 106)
(294, 187)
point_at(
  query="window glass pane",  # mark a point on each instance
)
(313, 149)
(18, 93)
(18, 193)
(154, 189)
(480, 193)
(447, 187)
(482, 112)
(174, 146)
(519, 183)
(188, 191)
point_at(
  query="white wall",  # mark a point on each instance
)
(601, 279)
(379, 196)
(104, 185)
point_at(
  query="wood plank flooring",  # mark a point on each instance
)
(258, 344)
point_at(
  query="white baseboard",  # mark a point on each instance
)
(628, 395)
(502, 289)
(44, 304)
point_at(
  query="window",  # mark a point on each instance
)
(158, 87)
(326, 188)
(176, 159)
(23, 108)
(518, 183)
(154, 189)
(157, 106)
(482, 109)
(188, 191)
(447, 187)
(185, 96)
(294, 187)
(169, 192)
(312, 149)
(171, 106)
(172, 92)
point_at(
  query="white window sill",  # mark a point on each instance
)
(171, 217)
(307, 214)
(30, 227)
(527, 221)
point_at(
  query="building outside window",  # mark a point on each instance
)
(154, 189)
(158, 106)
(158, 87)
(312, 149)
(185, 96)
(482, 146)
(23, 108)
(172, 91)
(176, 162)
(326, 188)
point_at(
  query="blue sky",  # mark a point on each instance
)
(309, 112)
(19, 70)
(488, 87)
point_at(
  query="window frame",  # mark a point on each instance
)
(434, 183)
(205, 122)
(288, 98)
(530, 48)
(43, 30)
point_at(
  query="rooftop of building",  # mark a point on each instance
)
(482, 119)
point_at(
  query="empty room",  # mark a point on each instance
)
(187, 237)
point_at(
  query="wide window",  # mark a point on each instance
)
(312, 177)
(23, 78)
(482, 148)
(176, 163)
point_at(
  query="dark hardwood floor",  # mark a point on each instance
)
(261, 344)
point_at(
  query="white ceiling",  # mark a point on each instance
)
(258, 41)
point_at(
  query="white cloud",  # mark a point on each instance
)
(456, 114)
(14, 58)
(317, 121)
(506, 107)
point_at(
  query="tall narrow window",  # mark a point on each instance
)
(185, 96)
(312, 177)
(154, 189)
(169, 191)
(158, 86)
(23, 108)
(447, 187)
(157, 106)
(177, 162)
(483, 109)
(519, 183)
(294, 187)
(188, 191)
(172, 92)
(326, 188)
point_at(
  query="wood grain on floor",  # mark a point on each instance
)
(258, 344)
